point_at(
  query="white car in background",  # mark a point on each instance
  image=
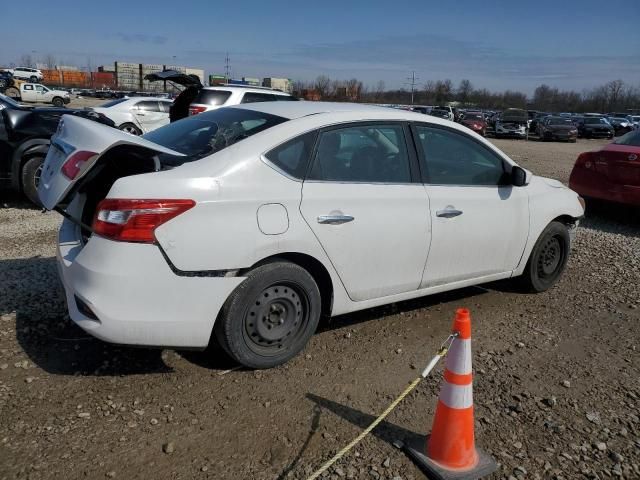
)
(210, 98)
(248, 223)
(137, 115)
(26, 73)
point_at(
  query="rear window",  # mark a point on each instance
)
(212, 97)
(210, 132)
(632, 138)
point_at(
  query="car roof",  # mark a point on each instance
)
(142, 97)
(247, 88)
(293, 110)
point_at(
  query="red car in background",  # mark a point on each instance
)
(611, 173)
(476, 122)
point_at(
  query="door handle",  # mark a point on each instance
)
(335, 219)
(448, 212)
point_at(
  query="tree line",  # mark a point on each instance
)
(613, 96)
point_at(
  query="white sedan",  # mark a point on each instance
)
(249, 223)
(137, 115)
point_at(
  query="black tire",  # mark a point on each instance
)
(57, 102)
(130, 128)
(548, 258)
(3, 83)
(33, 79)
(30, 177)
(269, 318)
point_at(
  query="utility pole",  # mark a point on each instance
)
(227, 68)
(412, 81)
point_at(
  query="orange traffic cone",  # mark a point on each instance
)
(450, 451)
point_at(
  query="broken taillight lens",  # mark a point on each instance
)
(71, 168)
(132, 220)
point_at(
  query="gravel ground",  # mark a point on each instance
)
(556, 388)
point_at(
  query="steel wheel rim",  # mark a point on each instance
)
(550, 257)
(37, 174)
(130, 129)
(276, 319)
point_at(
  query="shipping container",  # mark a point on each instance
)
(52, 77)
(235, 81)
(103, 80)
(252, 81)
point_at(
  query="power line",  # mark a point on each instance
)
(412, 81)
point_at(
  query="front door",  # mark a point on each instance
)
(366, 206)
(480, 221)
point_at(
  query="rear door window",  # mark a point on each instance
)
(366, 154)
(148, 106)
(253, 97)
(212, 97)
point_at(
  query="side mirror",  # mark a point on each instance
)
(518, 176)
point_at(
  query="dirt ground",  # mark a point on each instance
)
(556, 385)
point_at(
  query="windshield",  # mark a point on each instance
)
(440, 113)
(210, 132)
(560, 121)
(113, 102)
(212, 97)
(632, 138)
(473, 116)
(592, 120)
(8, 101)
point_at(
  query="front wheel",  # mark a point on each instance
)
(548, 258)
(269, 318)
(33, 79)
(31, 171)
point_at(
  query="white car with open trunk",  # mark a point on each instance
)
(247, 224)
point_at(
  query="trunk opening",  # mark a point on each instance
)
(120, 161)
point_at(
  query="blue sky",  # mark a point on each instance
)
(496, 44)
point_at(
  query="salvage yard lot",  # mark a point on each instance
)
(556, 387)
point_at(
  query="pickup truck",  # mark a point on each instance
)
(37, 93)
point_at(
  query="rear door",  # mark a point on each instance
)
(364, 202)
(479, 221)
(149, 115)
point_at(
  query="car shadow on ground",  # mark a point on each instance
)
(10, 199)
(31, 293)
(612, 218)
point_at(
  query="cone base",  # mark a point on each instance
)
(415, 448)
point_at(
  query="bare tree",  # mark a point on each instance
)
(322, 85)
(26, 61)
(50, 61)
(464, 91)
(379, 90)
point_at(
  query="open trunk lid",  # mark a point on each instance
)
(75, 149)
(175, 77)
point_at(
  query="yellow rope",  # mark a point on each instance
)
(375, 423)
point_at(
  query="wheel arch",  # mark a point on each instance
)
(312, 265)
(22, 153)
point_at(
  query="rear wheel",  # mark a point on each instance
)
(57, 102)
(31, 171)
(33, 79)
(130, 128)
(269, 318)
(3, 83)
(548, 258)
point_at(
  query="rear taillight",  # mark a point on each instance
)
(195, 110)
(72, 167)
(127, 220)
(585, 160)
